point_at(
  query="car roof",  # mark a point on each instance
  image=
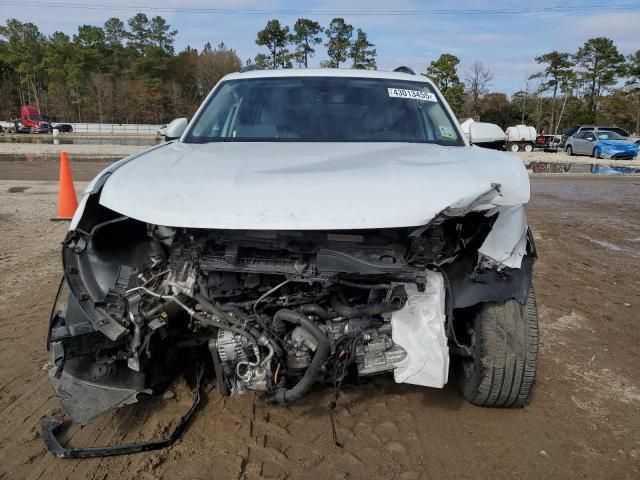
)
(327, 72)
(601, 126)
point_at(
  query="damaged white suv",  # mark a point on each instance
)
(306, 225)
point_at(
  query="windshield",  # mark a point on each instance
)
(324, 109)
(609, 136)
(36, 118)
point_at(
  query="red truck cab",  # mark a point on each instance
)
(31, 121)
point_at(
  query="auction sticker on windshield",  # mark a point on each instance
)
(417, 94)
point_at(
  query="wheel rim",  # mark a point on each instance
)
(514, 147)
(569, 150)
(528, 148)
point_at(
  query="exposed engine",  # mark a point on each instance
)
(281, 310)
(274, 311)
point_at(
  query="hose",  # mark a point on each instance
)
(396, 301)
(315, 309)
(284, 395)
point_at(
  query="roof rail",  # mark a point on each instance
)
(249, 68)
(403, 69)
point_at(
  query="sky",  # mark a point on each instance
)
(505, 36)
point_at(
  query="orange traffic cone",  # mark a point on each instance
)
(67, 198)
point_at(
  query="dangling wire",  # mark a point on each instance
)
(345, 355)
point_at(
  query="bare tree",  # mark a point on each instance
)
(215, 63)
(101, 89)
(477, 80)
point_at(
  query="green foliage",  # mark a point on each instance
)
(443, 72)
(601, 65)
(362, 52)
(128, 71)
(558, 74)
(558, 70)
(120, 72)
(306, 34)
(496, 108)
(275, 37)
(633, 69)
(338, 41)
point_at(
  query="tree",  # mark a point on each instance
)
(285, 58)
(275, 37)
(213, 64)
(558, 71)
(161, 35)
(633, 82)
(496, 108)
(601, 64)
(23, 52)
(362, 52)
(114, 31)
(477, 80)
(263, 61)
(444, 74)
(338, 41)
(305, 36)
(633, 69)
(138, 35)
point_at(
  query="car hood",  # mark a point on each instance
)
(307, 186)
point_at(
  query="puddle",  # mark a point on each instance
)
(581, 168)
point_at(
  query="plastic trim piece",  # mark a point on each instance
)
(50, 426)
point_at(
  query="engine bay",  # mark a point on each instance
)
(273, 311)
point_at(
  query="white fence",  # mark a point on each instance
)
(108, 128)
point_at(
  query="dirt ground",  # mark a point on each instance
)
(582, 422)
(82, 151)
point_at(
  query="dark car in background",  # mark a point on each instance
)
(63, 128)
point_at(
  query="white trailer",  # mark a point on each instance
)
(521, 137)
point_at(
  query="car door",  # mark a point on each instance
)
(576, 141)
(588, 143)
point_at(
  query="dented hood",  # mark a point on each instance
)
(307, 186)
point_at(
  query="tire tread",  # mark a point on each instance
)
(508, 354)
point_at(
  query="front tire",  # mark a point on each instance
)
(504, 342)
(514, 147)
(596, 153)
(569, 150)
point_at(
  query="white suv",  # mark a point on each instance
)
(304, 224)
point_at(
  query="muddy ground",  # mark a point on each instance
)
(583, 420)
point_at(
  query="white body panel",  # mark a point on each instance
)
(308, 186)
(506, 243)
(419, 329)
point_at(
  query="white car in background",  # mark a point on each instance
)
(304, 224)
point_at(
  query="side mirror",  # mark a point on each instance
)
(176, 128)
